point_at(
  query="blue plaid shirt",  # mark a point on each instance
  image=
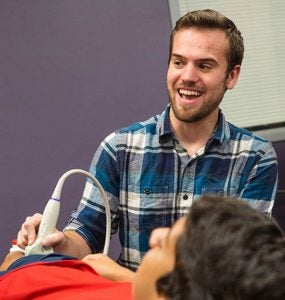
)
(151, 181)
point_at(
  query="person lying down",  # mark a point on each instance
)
(223, 249)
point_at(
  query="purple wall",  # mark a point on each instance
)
(71, 72)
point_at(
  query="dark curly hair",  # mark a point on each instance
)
(228, 251)
(211, 19)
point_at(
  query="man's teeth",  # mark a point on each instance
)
(189, 93)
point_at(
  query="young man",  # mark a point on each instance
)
(227, 250)
(223, 249)
(153, 171)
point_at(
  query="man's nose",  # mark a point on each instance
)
(190, 73)
(158, 236)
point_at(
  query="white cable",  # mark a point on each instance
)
(57, 192)
(51, 212)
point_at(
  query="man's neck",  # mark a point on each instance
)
(193, 136)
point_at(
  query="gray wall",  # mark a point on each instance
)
(71, 72)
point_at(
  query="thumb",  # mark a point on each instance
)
(55, 239)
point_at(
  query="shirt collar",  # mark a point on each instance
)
(222, 130)
(220, 133)
(163, 125)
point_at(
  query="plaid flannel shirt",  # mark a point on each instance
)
(151, 181)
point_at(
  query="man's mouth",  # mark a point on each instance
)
(188, 94)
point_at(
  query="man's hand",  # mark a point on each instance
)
(68, 242)
(108, 268)
(28, 233)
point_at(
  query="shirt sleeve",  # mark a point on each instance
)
(89, 219)
(261, 185)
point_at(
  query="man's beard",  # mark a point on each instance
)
(190, 115)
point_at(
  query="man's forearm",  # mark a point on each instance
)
(74, 245)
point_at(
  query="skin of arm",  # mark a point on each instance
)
(10, 258)
(108, 268)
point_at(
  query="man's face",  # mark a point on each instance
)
(197, 74)
(158, 261)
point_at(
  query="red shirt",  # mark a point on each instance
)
(66, 279)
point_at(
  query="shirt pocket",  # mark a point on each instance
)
(148, 207)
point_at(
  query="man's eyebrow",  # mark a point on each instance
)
(177, 55)
(200, 60)
(207, 59)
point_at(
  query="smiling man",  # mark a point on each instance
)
(197, 79)
(153, 171)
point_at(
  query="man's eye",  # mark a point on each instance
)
(178, 63)
(204, 67)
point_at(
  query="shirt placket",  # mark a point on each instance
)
(185, 181)
(186, 191)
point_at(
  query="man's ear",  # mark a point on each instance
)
(232, 77)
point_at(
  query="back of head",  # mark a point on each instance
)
(228, 251)
(211, 19)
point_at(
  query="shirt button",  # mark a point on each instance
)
(185, 197)
(147, 191)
